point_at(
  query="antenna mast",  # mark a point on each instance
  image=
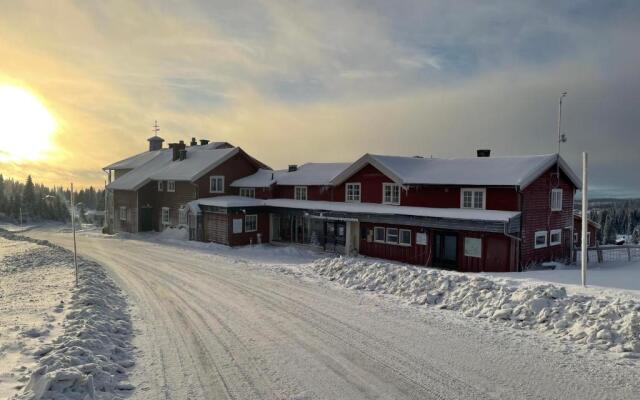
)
(156, 127)
(562, 138)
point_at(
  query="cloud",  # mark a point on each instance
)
(301, 81)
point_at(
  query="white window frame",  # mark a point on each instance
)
(247, 192)
(473, 191)
(166, 212)
(182, 216)
(299, 190)
(391, 200)
(123, 213)
(351, 197)
(553, 232)
(171, 186)
(160, 187)
(535, 239)
(216, 178)
(407, 244)
(247, 218)
(556, 199)
(397, 236)
(384, 233)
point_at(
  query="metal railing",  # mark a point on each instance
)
(610, 253)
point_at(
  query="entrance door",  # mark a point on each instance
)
(445, 250)
(146, 216)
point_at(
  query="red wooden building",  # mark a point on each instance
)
(470, 214)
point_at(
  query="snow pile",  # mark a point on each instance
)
(89, 360)
(174, 233)
(601, 323)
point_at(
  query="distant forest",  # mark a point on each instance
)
(37, 202)
(616, 217)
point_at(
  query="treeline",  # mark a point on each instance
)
(34, 202)
(616, 217)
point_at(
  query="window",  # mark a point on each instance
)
(392, 235)
(237, 225)
(165, 216)
(378, 234)
(171, 186)
(160, 189)
(556, 199)
(216, 184)
(473, 247)
(182, 216)
(541, 239)
(250, 223)
(390, 193)
(352, 192)
(123, 213)
(248, 192)
(555, 237)
(473, 198)
(300, 193)
(405, 237)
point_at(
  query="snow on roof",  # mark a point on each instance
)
(313, 174)
(360, 208)
(261, 179)
(133, 161)
(477, 171)
(200, 159)
(226, 202)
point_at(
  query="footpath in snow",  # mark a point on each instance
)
(592, 322)
(88, 355)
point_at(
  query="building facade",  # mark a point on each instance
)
(473, 214)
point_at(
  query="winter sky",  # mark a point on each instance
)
(296, 81)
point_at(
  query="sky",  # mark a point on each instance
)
(298, 81)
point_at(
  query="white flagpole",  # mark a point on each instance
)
(73, 228)
(585, 200)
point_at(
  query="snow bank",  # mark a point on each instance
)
(89, 360)
(174, 233)
(602, 323)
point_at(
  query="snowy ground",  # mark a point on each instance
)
(57, 341)
(32, 300)
(257, 323)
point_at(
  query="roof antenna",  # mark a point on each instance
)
(156, 127)
(562, 138)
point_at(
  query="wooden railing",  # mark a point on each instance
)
(610, 253)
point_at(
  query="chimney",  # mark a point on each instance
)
(204, 142)
(484, 152)
(194, 142)
(155, 143)
(176, 147)
(182, 154)
(293, 168)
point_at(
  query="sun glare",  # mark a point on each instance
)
(26, 126)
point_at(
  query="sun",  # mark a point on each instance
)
(26, 126)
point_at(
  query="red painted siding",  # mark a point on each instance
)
(414, 254)
(235, 168)
(537, 216)
(245, 238)
(577, 228)
(319, 193)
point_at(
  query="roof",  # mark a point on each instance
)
(261, 179)
(589, 221)
(361, 208)
(200, 160)
(134, 161)
(478, 171)
(313, 174)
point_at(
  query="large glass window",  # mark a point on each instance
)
(300, 193)
(473, 198)
(216, 184)
(405, 237)
(378, 234)
(392, 235)
(250, 223)
(248, 192)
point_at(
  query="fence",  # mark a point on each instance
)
(603, 254)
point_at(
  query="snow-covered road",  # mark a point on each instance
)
(210, 326)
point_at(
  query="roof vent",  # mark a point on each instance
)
(194, 142)
(484, 152)
(155, 143)
(175, 150)
(204, 142)
(182, 154)
(293, 168)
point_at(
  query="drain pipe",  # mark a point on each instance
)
(507, 234)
